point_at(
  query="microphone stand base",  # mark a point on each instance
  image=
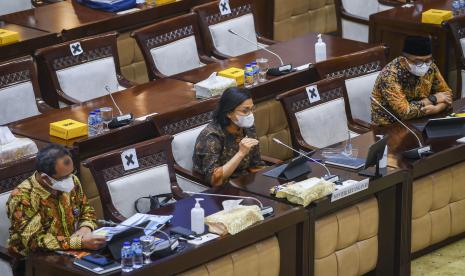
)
(418, 153)
(331, 178)
(281, 70)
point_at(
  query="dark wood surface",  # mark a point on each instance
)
(392, 26)
(158, 96)
(297, 52)
(287, 224)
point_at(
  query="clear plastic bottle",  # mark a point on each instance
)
(248, 76)
(91, 124)
(99, 122)
(462, 7)
(255, 72)
(456, 9)
(127, 257)
(137, 252)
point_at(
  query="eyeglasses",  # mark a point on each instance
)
(246, 111)
(420, 63)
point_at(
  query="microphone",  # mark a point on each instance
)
(415, 153)
(266, 210)
(281, 70)
(328, 177)
(122, 119)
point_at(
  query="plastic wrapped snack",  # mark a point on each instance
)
(304, 192)
(234, 220)
(214, 85)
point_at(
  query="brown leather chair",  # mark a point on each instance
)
(71, 74)
(324, 121)
(218, 41)
(172, 46)
(120, 188)
(456, 26)
(19, 91)
(359, 71)
(10, 177)
(353, 16)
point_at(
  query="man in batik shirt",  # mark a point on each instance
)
(411, 85)
(49, 210)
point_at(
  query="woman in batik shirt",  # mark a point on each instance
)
(228, 146)
(410, 86)
(49, 210)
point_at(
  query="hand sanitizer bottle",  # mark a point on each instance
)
(320, 50)
(198, 218)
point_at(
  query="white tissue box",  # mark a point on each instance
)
(214, 85)
(17, 149)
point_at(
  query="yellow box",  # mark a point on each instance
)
(163, 2)
(8, 37)
(233, 73)
(68, 129)
(434, 16)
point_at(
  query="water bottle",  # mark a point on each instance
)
(255, 72)
(248, 75)
(126, 257)
(91, 124)
(99, 122)
(456, 8)
(137, 251)
(462, 6)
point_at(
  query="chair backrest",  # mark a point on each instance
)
(119, 188)
(185, 124)
(82, 71)
(360, 71)
(10, 177)
(215, 27)
(7, 7)
(18, 90)
(456, 26)
(172, 46)
(321, 122)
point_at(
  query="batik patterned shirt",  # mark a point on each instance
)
(401, 92)
(41, 220)
(215, 146)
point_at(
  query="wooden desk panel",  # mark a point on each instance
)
(287, 225)
(29, 40)
(392, 26)
(158, 96)
(297, 51)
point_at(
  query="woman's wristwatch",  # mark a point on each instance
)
(433, 99)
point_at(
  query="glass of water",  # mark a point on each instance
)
(147, 243)
(107, 115)
(263, 68)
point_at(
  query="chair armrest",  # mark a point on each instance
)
(207, 59)
(355, 18)
(271, 160)
(196, 177)
(43, 106)
(392, 3)
(361, 123)
(265, 40)
(124, 82)
(358, 129)
(65, 98)
(219, 55)
(16, 261)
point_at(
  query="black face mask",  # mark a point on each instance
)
(149, 203)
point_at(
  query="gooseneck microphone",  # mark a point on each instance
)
(266, 210)
(281, 70)
(122, 119)
(415, 153)
(328, 177)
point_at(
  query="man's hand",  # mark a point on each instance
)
(93, 242)
(444, 98)
(432, 109)
(82, 232)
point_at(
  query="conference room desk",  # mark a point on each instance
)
(438, 202)
(29, 40)
(392, 26)
(286, 225)
(391, 192)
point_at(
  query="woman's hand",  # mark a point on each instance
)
(246, 145)
(433, 109)
(444, 98)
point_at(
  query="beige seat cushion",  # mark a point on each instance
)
(17, 102)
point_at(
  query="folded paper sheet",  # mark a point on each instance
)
(304, 192)
(234, 220)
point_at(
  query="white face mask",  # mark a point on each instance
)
(66, 185)
(245, 121)
(419, 71)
